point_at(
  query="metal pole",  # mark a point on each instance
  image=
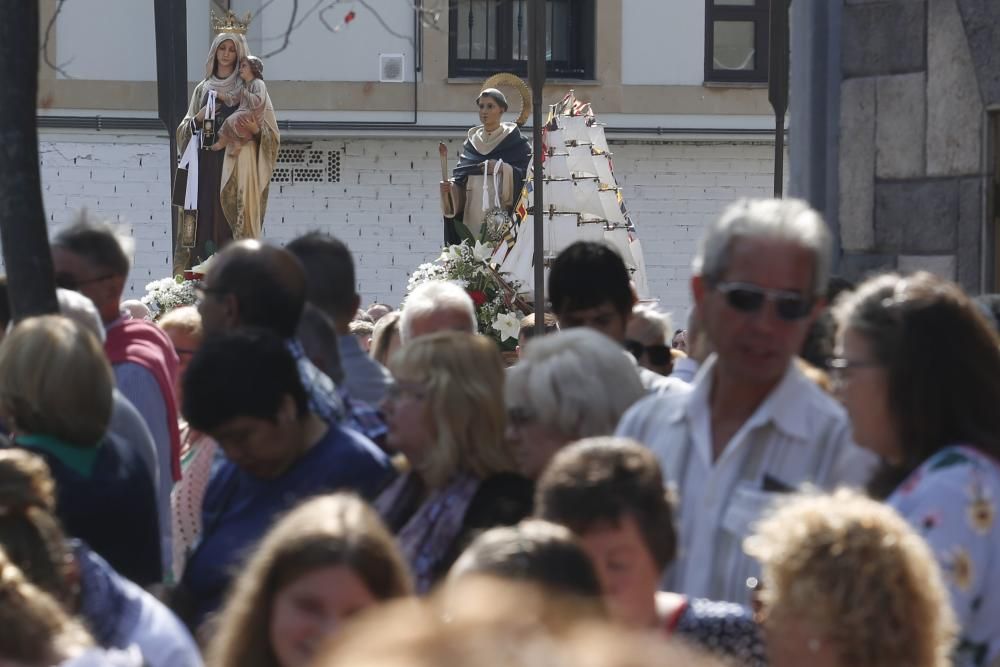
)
(777, 84)
(170, 20)
(536, 74)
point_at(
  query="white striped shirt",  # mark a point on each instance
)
(797, 436)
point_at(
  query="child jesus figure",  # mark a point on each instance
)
(253, 98)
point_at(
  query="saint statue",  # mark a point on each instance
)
(231, 185)
(489, 174)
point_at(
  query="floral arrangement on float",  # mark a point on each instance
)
(468, 264)
(166, 294)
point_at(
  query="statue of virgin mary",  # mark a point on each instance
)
(231, 190)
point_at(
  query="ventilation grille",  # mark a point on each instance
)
(390, 66)
(307, 163)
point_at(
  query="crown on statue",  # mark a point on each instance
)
(230, 22)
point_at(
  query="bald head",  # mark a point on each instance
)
(250, 283)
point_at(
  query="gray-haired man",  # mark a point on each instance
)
(753, 425)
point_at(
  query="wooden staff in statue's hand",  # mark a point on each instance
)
(447, 194)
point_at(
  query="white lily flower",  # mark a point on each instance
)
(203, 267)
(508, 325)
(483, 252)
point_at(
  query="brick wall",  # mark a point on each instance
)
(383, 200)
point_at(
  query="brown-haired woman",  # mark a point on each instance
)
(117, 613)
(324, 562)
(445, 413)
(56, 397)
(36, 630)
(610, 493)
(918, 369)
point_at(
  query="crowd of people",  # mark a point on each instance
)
(278, 477)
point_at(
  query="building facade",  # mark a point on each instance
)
(900, 138)
(363, 100)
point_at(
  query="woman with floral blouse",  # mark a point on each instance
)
(918, 370)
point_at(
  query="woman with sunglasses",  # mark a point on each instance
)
(931, 412)
(445, 415)
(646, 337)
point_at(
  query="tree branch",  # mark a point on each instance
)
(288, 33)
(45, 44)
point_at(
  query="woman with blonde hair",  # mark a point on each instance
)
(445, 414)
(385, 337)
(56, 397)
(569, 385)
(325, 561)
(848, 583)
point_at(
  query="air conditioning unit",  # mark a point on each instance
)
(390, 68)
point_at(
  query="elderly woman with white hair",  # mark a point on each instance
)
(570, 385)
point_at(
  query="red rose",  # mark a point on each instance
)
(349, 16)
(478, 297)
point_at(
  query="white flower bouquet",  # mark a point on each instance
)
(164, 295)
(468, 265)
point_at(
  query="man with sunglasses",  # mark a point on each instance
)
(752, 426)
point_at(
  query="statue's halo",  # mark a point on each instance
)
(516, 82)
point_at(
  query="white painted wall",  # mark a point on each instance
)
(350, 54)
(113, 40)
(663, 42)
(386, 205)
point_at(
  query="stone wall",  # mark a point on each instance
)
(380, 196)
(918, 76)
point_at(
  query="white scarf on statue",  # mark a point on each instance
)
(486, 142)
(228, 86)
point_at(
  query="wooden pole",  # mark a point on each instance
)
(536, 75)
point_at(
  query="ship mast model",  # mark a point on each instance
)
(583, 201)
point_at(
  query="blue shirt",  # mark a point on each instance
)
(320, 390)
(239, 508)
(105, 498)
(119, 614)
(365, 378)
(364, 419)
